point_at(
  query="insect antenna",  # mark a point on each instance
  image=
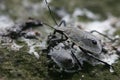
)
(50, 12)
(49, 25)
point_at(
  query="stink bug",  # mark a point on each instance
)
(86, 41)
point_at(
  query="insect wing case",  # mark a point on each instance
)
(84, 39)
(62, 57)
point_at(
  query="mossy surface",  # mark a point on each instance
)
(20, 65)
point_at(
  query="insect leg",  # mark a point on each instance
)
(113, 40)
(53, 41)
(62, 22)
(116, 49)
(96, 58)
(63, 36)
(104, 50)
(76, 59)
(73, 45)
(57, 40)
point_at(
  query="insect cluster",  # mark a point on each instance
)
(67, 45)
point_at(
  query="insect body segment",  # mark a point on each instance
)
(84, 39)
(62, 57)
(89, 44)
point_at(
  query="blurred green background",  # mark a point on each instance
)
(33, 8)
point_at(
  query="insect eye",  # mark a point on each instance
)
(94, 42)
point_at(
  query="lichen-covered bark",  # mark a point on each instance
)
(20, 65)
